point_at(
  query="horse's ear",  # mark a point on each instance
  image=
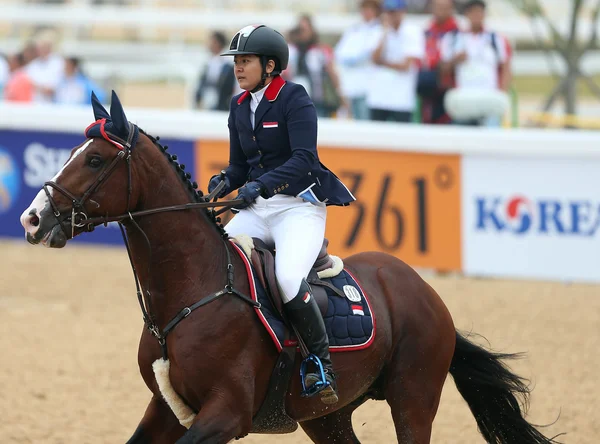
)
(99, 111)
(118, 115)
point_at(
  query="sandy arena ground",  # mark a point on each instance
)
(70, 324)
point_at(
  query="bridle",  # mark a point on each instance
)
(80, 219)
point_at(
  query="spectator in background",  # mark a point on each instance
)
(480, 62)
(217, 84)
(353, 54)
(432, 83)
(19, 87)
(311, 64)
(76, 88)
(46, 70)
(392, 91)
(4, 73)
(30, 52)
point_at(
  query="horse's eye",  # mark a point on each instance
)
(95, 162)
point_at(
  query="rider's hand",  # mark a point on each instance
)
(215, 181)
(249, 193)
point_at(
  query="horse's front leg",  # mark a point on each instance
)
(159, 425)
(218, 421)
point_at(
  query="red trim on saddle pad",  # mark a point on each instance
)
(255, 297)
(291, 342)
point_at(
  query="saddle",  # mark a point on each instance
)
(263, 261)
(272, 416)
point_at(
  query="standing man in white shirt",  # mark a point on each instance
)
(480, 62)
(46, 71)
(353, 54)
(392, 94)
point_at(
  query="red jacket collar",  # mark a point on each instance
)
(274, 88)
(272, 91)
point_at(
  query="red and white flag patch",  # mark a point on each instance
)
(306, 297)
(270, 124)
(357, 310)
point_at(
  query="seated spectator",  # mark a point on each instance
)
(311, 64)
(19, 87)
(353, 54)
(217, 84)
(392, 91)
(76, 88)
(480, 62)
(433, 84)
(46, 70)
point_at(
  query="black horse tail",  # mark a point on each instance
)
(491, 391)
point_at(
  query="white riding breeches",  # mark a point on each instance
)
(293, 226)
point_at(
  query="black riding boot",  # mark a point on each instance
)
(304, 313)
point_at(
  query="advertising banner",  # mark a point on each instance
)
(30, 158)
(531, 218)
(408, 204)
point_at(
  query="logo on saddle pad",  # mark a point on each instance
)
(352, 293)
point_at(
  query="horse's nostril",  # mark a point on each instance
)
(34, 220)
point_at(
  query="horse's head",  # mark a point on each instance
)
(94, 182)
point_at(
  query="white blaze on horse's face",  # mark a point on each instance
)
(31, 217)
(81, 149)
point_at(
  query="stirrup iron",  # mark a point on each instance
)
(318, 386)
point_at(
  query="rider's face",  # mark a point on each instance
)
(248, 70)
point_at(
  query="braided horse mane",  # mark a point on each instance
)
(196, 194)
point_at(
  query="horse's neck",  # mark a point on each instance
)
(187, 254)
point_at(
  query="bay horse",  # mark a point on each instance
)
(221, 357)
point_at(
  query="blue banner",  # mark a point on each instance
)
(30, 158)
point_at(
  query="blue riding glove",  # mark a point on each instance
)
(215, 181)
(249, 193)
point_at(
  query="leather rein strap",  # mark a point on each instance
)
(189, 206)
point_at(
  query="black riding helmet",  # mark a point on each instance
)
(264, 42)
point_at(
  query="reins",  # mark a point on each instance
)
(145, 299)
(189, 206)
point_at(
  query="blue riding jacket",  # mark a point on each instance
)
(281, 150)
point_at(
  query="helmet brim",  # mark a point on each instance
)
(234, 53)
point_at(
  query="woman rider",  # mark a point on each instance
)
(273, 162)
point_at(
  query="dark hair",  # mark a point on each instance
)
(20, 58)
(472, 3)
(314, 38)
(76, 61)
(375, 4)
(220, 38)
(308, 19)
